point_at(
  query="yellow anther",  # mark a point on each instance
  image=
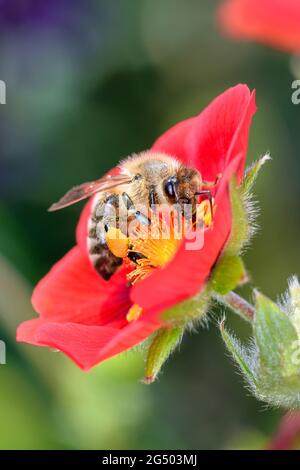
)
(134, 313)
(204, 213)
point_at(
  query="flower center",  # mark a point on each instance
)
(150, 247)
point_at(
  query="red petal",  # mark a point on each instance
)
(220, 133)
(186, 274)
(210, 140)
(73, 291)
(272, 22)
(288, 433)
(82, 226)
(173, 141)
(86, 345)
(26, 332)
(70, 298)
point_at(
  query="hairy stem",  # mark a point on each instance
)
(238, 305)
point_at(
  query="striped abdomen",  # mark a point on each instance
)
(103, 214)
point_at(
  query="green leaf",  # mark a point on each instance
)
(271, 364)
(252, 173)
(239, 354)
(275, 337)
(163, 344)
(228, 274)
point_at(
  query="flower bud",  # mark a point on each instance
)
(162, 345)
(271, 364)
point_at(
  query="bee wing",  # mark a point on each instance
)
(86, 190)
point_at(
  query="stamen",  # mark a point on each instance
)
(149, 248)
(204, 213)
(134, 313)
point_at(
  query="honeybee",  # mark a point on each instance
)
(147, 179)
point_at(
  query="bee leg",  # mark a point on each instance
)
(134, 256)
(142, 218)
(207, 192)
(152, 199)
(110, 212)
(128, 202)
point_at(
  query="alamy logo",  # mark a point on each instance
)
(2, 92)
(2, 353)
(296, 93)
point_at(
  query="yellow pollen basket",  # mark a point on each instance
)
(117, 242)
(154, 245)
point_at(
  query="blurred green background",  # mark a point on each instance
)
(89, 82)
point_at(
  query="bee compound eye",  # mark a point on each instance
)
(169, 189)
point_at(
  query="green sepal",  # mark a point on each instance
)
(229, 273)
(176, 319)
(240, 229)
(252, 173)
(239, 354)
(162, 345)
(193, 308)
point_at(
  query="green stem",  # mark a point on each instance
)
(237, 304)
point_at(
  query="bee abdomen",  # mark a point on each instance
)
(104, 261)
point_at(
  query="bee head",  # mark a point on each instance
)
(181, 187)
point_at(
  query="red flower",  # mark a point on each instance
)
(288, 433)
(272, 22)
(85, 316)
